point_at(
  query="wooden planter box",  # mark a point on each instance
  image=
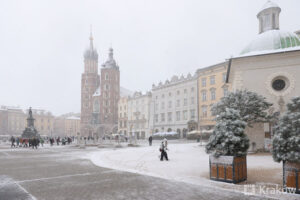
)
(291, 177)
(228, 168)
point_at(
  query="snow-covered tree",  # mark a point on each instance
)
(228, 137)
(286, 141)
(251, 106)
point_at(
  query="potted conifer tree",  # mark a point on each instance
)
(286, 145)
(228, 144)
(228, 147)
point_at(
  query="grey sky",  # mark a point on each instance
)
(42, 42)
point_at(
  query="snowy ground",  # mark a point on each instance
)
(189, 163)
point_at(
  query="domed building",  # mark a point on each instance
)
(269, 65)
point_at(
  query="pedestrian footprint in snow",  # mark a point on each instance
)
(163, 149)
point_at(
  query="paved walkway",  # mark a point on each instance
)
(60, 173)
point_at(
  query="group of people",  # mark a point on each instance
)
(35, 142)
(58, 140)
(20, 142)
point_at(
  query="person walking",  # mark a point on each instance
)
(42, 142)
(18, 142)
(12, 139)
(150, 141)
(163, 149)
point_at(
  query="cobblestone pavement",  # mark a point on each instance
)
(60, 173)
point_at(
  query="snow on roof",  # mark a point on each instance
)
(165, 133)
(264, 52)
(73, 117)
(269, 4)
(272, 40)
(97, 92)
(125, 92)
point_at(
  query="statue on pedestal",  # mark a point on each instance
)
(30, 131)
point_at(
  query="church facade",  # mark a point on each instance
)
(99, 94)
(269, 66)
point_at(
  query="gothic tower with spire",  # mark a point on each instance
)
(90, 81)
(110, 91)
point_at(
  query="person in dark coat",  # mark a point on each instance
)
(13, 140)
(150, 141)
(163, 150)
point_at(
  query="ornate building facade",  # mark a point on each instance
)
(139, 115)
(174, 105)
(99, 94)
(212, 87)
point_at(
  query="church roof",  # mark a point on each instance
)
(272, 40)
(110, 63)
(97, 92)
(269, 4)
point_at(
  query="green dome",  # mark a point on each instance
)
(272, 40)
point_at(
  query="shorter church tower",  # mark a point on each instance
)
(110, 90)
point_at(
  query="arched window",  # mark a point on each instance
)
(96, 106)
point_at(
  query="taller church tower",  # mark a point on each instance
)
(90, 81)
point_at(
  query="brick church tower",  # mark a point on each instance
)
(110, 91)
(90, 81)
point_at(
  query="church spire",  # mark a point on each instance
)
(91, 39)
(111, 53)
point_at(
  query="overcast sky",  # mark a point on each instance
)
(42, 42)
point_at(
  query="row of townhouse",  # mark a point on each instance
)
(181, 104)
(13, 121)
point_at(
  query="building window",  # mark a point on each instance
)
(170, 94)
(156, 106)
(192, 100)
(204, 111)
(213, 94)
(178, 116)
(106, 87)
(192, 89)
(224, 77)
(120, 115)
(185, 102)
(162, 105)
(212, 80)
(178, 92)
(203, 81)
(170, 104)
(203, 94)
(162, 117)
(156, 118)
(192, 114)
(184, 115)
(225, 91)
(169, 117)
(162, 96)
(106, 76)
(178, 103)
(185, 91)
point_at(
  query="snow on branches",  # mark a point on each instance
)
(286, 141)
(228, 137)
(251, 106)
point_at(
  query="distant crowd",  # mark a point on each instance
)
(36, 142)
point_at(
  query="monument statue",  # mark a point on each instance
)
(30, 131)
